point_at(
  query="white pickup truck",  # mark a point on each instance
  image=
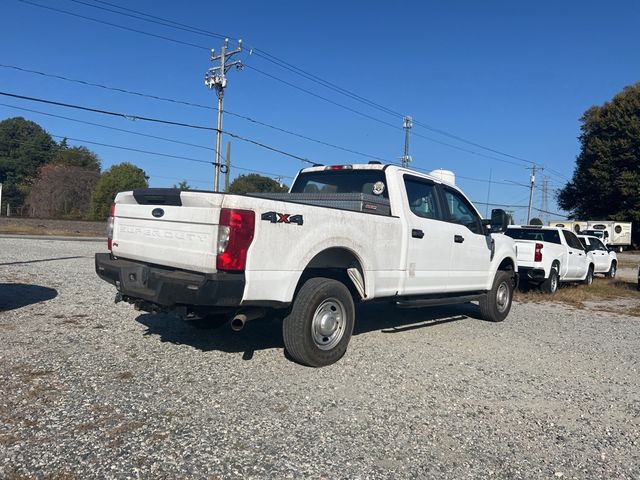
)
(343, 234)
(549, 255)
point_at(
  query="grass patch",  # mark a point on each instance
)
(30, 230)
(575, 295)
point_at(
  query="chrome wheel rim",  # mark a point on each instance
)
(554, 283)
(502, 297)
(613, 271)
(327, 326)
(589, 277)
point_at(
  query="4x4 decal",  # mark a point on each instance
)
(275, 217)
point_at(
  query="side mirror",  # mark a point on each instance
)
(499, 220)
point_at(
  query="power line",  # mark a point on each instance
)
(156, 137)
(296, 70)
(115, 25)
(147, 152)
(196, 105)
(130, 149)
(187, 143)
(318, 80)
(157, 120)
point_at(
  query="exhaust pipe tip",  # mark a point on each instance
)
(237, 323)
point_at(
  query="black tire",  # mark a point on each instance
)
(588, 280)
(496, 304)
(209, 322)
(550, 285)
(612, 270)
(321, 303)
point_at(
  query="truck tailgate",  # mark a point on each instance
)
(175, 229)
(525, 250)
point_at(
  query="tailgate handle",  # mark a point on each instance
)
(458, 238)
(417, 233)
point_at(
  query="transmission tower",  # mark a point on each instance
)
(407, 124)
(216, 77)
(545, 199)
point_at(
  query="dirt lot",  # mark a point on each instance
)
(89, 389)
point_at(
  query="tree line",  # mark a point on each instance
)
(45, 179)
(606, 181)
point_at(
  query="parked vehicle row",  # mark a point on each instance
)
(548, 256)
(613, 234)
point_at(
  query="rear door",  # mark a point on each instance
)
(470, 246)
(429, 245)
(168, 227)
(577, 256)
(600, 255)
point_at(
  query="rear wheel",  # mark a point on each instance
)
(318, 329)
(588, 280)
(550, 285)
(496, 304)
(612, 270)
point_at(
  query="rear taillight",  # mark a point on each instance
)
(235, 234)
(112, 215)
(538, 253)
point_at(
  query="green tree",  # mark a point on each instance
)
(182, 185)
(535, 221)
(118, 178)
(606, 179)
(255, 183)
(77, 157)
(24, 148)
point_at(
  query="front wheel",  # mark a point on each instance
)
(318, 329)
(496, 304)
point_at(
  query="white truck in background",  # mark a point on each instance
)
(614, 234)
(550, 255)
(344, 234)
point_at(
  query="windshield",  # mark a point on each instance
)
(595, 233)
(371, 182)
(535, 234)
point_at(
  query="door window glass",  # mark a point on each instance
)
(422, 198)
(461, 211)
(572, 240)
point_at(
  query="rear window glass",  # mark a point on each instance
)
(538, 235)
(371, 182)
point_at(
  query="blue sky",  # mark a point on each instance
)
(511, 76)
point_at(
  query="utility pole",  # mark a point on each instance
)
(227, 170)
(216, 77)
(533, 183)
(407, 124)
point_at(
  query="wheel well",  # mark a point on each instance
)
(333, 263)
(506, 265)
(614, 262)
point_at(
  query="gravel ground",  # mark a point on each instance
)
(89, 389)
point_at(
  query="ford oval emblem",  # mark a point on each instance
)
(157, 212)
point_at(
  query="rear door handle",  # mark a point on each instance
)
(458, 238)
(416, 233)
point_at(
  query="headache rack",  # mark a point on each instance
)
(357, 202)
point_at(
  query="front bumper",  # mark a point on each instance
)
(168, 287)
(532, 274)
